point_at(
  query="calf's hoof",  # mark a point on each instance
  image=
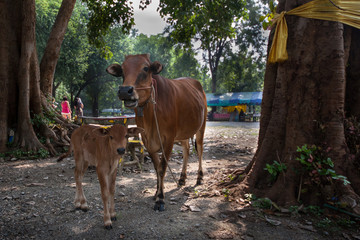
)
(108, 227)
(82, 209)
(199, 181)
(159, 206)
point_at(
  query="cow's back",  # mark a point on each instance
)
(182, 106)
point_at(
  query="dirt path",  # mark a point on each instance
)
(36, 200)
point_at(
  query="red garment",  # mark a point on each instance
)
(65, 107)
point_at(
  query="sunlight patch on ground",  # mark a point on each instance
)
(34, 165)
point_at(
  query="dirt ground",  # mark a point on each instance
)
(36, 200)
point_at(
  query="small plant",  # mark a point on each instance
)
(317, 166)
(249, 197)
(324, 223)
(264, 203)
(226, 192)
(275, 169)
(294, 209)
(231, 177)
(18, 153)
(347, 223)
(315, 210)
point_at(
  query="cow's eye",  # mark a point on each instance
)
(126, 136)
(146, 69)
(111, 137)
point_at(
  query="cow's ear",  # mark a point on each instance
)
(133, 132)
(115, 70)
(156, 67)
(100, 132)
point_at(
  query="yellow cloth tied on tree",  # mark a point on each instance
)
(344, 11)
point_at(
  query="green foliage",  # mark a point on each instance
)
(264, 203)
(317, 165)
(324, 223)
(226, 192)
(314, 210)
(20, 154)
(275, 169)
(104, 14)
(267, 19)
(347, 223)
(39, 120)
(206, 20)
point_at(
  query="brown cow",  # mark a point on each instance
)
(179, 106)
(100, 147)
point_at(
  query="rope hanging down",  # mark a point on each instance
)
(344, 11)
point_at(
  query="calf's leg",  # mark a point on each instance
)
(80, 168)
(104, 180)
(186, 147)
(112, 180)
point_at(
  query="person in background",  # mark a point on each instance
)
(65, 108)
(78, 105)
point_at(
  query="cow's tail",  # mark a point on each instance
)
(194, 143)
(64, 155)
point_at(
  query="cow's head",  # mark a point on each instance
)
(137, 72)
(117, 136)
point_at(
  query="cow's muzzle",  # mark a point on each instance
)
(121, 151)
(127, 94)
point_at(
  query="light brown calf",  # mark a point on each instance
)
(100, 147)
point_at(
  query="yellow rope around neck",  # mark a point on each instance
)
(344, 11)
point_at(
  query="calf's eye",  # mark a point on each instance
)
(146, 69)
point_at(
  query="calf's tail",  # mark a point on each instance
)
(64, 155)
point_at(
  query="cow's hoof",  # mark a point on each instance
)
(108, 227)
(159, 206)
(113, 218)
(199, 182)
(181, 182)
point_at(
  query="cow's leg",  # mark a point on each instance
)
(186, 147)
(104, 178)
(156, 161)
(112, 196)
(161, 171)
(80, 168)
(199, 149)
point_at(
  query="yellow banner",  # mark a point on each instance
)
(238, 108)
(344, 11)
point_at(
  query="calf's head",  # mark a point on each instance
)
(137, 72)
(116, 137)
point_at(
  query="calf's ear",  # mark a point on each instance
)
(115, 70)
(156, 67)
(100, 132)
(133, 132)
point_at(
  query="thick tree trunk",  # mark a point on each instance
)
(303, 103)
(20, 94)
(352, 104)
(52, 50)
(25, 135)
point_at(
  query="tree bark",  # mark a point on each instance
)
(20, 94)
(25, 135)
(52, 50)
(303, 103)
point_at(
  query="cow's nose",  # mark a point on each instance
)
(121, 151)
(126, 93)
